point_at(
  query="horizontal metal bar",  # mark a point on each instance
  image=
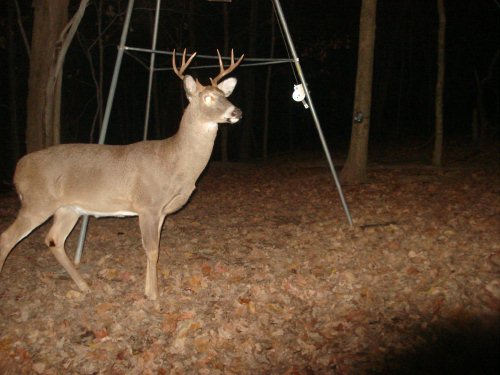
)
(256, 59)
(217, 66)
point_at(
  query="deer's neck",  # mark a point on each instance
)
(194, 141)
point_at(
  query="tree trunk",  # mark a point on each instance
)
(481, 122)
(50, 18)
(438, 138)
(354, 170)
(13, 92)
(52, 35)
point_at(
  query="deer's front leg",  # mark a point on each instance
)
(150, 230)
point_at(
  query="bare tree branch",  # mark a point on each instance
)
(97, 87)
(62, 46)
(21, 29)
(67, 36)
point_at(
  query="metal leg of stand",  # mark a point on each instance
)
(107, 112)
(151, 70)
(289, 41)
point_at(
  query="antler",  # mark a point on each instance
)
(225, 72)
(184, 65)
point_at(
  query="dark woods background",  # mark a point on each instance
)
(325, 34)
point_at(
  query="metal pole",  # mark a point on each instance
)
(107, 112)
(151, 70)
(289, 40)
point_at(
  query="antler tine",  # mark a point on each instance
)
(184, 65)
(224, 72)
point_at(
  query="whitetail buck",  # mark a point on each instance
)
(149, 179)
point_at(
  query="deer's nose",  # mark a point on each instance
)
(237, 113)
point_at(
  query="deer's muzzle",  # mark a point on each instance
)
(235, 115)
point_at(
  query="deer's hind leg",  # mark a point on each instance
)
(64, 221)
(28, 218)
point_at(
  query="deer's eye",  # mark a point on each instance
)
(208, 99)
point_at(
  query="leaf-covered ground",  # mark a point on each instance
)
(261, 274)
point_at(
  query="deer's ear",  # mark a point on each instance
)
(227, 86)
(189, 86)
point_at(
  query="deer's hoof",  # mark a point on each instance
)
(84, 287)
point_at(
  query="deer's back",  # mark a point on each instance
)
(92, 176)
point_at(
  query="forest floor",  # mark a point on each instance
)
(261, 274)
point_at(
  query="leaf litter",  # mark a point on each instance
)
(261, 273)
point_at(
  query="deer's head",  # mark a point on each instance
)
(211, 100)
